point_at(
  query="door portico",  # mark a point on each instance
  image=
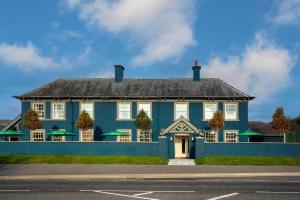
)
(181, 134)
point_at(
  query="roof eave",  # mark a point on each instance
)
(130, 97)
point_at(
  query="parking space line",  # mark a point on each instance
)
(144, 193)
(138, 194)
(124, 195)
(224, 196)
(274, 192)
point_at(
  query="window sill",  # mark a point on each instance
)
(125, 119)
(231, 120)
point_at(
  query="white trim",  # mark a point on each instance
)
(236, 137)
(44, 106)
(37, 130)
(125, 130)
(144, 102)
(181, 102)
(130, 110)
(237, 111)
(87, 102)
(52, 110)
(203, 108)
(175, 123)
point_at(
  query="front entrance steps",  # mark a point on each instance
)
(181, 162)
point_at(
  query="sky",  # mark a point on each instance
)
(253, 45)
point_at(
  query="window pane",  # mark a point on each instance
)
(210, 136)
(146, 107)
(231, 111)
(89, 108)
(144, 136)
(87, 136)
(124, 138)
(230, 136)
(209, 110)
(38, 135)
(181, 109)
(39, 109)
(58, 111)
(124, 111)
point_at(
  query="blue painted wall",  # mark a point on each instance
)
(246, 149)
(80, 148)
(106, 114)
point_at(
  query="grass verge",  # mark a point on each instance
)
(82, 159)
(249, 160)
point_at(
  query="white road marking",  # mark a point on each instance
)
(14, 190)
(135, 196)
(270, 192)
(224, 196)
(124, 195)
(144, 193)
(156, 191)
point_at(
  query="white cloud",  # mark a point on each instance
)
(262, 70)
(161, 28)
(287, 12)
(28, 57)
(25, 57)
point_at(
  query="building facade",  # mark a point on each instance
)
(179, 109)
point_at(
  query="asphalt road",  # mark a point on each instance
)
(225, 188)
(71, 169)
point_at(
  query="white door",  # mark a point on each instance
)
(181, 147)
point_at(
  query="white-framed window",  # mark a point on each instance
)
(181, 109)
(124, 110)
(209, 110)
(38, 135)
(144, 135)
(146, 107)
(87, 135)
(125, 138)
(231, 111)
(211, 136)
(58, 138)
(39, 108)
(231, 135)
(87, 107)
(58, 110)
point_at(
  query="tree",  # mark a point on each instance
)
(295, 126)
(142, 121)
(217, 122)
(32, 121)
(84, 121)
(280, 122)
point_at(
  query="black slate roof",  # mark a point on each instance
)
(106, 88)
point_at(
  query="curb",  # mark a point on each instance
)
(147, 176)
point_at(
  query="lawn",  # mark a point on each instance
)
(82, 159)
(248, 160)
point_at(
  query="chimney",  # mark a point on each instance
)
(119, 73)
(196, 71)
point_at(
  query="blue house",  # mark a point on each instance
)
(179, 108)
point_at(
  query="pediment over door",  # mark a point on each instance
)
(181, 125)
